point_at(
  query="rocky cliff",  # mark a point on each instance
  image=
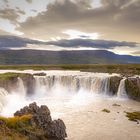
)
(133, 88)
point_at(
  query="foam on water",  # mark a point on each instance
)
(61, 91)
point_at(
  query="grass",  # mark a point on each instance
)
(20, 128)
(17, 123)
(112, 68)
(11, 75)
(12, 128)
(133, 116)
(7, 76)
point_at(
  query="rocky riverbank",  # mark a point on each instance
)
(32, 123)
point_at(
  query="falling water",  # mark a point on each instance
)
(58, 89)
(20, 87)
(3, 93)
(72, 83)
(121, 90)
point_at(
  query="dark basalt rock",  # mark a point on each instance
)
(133, 88)
(41, 119)
(9, 81)
(40, 74)
(29, 82)
(114, 84)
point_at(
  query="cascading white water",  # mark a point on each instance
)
(14, 99)
(58, 89)
(3, 93)
(20, 87)
(121, 90)
(72, 83)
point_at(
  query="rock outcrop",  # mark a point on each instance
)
(29, 82)
(9, 81)
(114, 84)
(32, 123)
(41, 119)
(133, 88)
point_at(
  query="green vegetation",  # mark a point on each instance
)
(127, 69)
(133, 116)
(11, 75)
(17, 123)
(8, 76)
(19, 128)
(106, 110)
(13, 128)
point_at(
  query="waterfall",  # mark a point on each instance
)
(20, 87)
(121, 90)
(72, 83)
(3, 93)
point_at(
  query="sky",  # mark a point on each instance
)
(113, 25)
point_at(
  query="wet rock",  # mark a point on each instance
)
(9, 81)
(106, 110)
(114, 84)
(117, 105)
(29, 82)
(41, 119)
(133, 88)
(40, 74)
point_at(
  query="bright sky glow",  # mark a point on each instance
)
(78, 34)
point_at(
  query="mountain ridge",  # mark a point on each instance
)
(64, 57)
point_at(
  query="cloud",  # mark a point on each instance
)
(29, 1)
(9, 14)
(12, 15)
(8, 42)
(115, 19)
(137, 53)
(2, 32)
(100, 44)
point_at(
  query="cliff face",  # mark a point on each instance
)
(133, 88)
(9, 81)
(114, 83)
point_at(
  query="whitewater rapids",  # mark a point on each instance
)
(78, 98)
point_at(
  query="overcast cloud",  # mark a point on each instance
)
(50, 20)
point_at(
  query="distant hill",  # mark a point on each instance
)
(64, 57)
(8, 56)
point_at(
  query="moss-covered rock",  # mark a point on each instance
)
(106, 110)
(9, 81)
(133, 116)
(32, 123)
(114, 84)
(133, 88)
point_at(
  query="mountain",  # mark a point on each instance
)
(8, 56)
(7, 42)
(63, 57)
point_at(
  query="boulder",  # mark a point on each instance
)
(41, 119)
